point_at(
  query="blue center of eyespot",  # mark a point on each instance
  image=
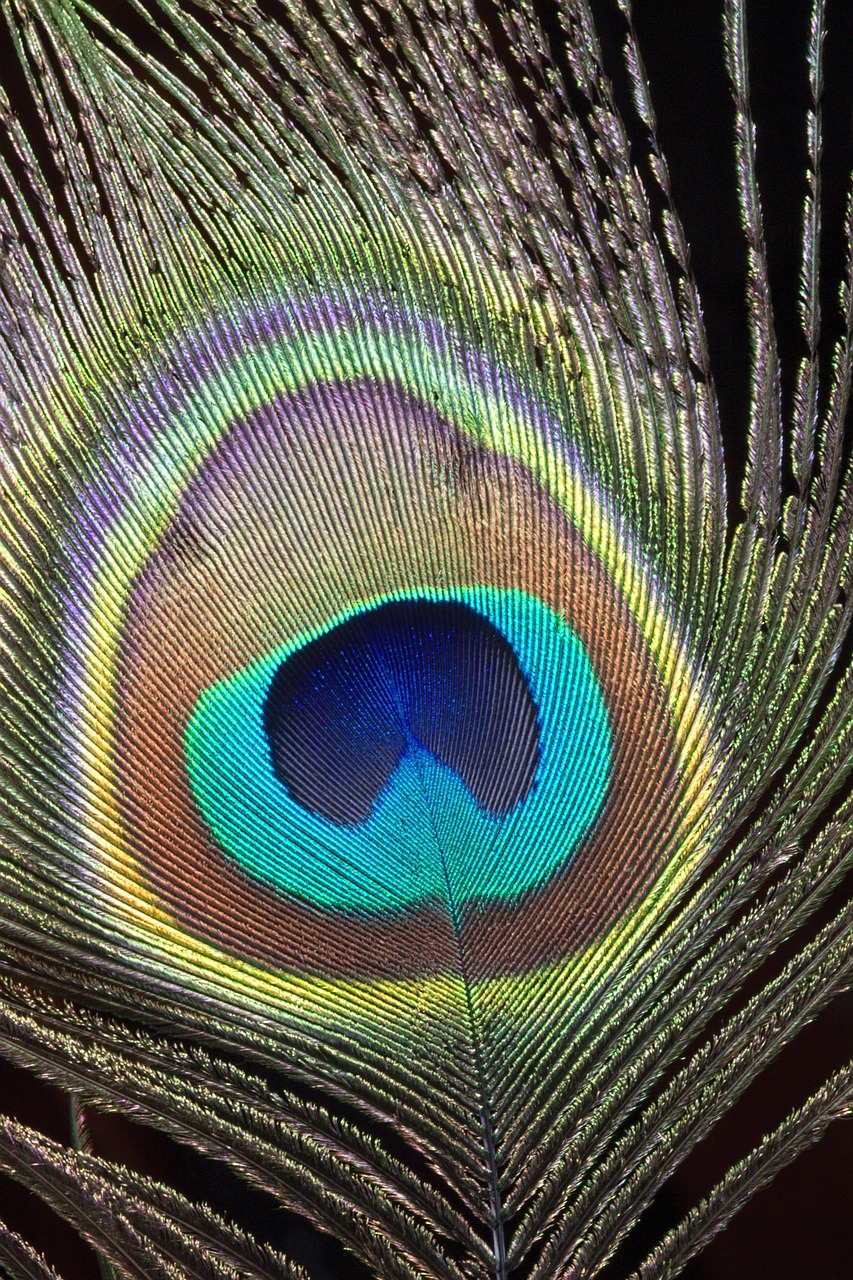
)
(342, 711)
(455, 744)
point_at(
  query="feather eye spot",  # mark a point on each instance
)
(366, 499)
(372, 768)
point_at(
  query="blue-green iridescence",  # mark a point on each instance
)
(427, 837)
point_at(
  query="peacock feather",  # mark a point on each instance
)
(415, 760)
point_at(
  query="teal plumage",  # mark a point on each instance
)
(394, 698)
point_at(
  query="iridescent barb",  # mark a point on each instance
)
(387, 703)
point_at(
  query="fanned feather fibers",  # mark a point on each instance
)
(413, 756)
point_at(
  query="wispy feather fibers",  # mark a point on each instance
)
(395, 698)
